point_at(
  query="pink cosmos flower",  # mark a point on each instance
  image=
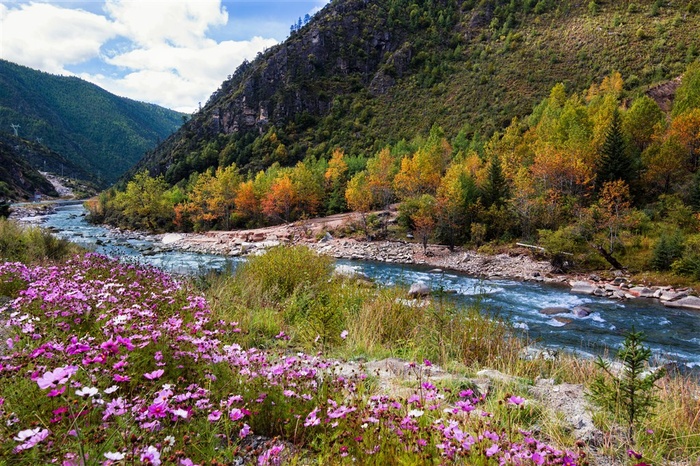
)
(311, 419)
(214, 416)
(245, 431)
(344, 334)
(58, 376)
(29, 438)
(516, 400)
(154, 375)
(152, 455)
(492, 450)
(56, 392)
(236, 414)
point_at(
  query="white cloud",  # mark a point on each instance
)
(182, 23)
(179, 77)
(164, 54)
(47, 37)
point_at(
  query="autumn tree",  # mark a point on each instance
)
(280, 200)
(247, 202)
(381, 171)
(359, 198)
(308, 189)
(424, 219)
(336, 181)
(456, 198)
(642, 121)
(143, 204)
(686, 127)
(614, 204)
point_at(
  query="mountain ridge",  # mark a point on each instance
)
(101, 132)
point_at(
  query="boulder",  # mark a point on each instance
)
(346, 271)
(581, 311)
(672, 295)
(583, 287)
(689, 302)
(550, 311)
(641, 292)
(418, 289)
(563, 320)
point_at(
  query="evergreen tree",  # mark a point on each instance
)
(496, 191)
(628, 395)
(695, 192)
(614, 164)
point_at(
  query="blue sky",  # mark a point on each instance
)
(174, 53)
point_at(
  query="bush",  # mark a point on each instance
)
(279, 272)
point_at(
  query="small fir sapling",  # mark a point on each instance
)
(629, 394)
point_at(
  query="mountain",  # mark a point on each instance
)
(363, 74)
(90, 127)
(19, 180)
(23, 164)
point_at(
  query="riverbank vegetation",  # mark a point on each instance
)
(31, 244)
(120, 364)
(598, 178)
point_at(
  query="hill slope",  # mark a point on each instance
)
(92, 128)
(18, 179)
(364, 74)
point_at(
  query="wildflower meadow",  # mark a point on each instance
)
(107, 363)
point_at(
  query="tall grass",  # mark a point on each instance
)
(31, 244)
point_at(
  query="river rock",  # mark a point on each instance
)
(672, 295)
(641, 292)
(550, 311)
(418, 289)
(689, 302)
(171, 238)
(326, 238)
(583, 287)
(346, 271)
(563, 320)
(581, 311)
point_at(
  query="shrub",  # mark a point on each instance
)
(283, 269)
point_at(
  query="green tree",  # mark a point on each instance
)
(629, 395)
(614, 163)
(688, 93)
(496, 191)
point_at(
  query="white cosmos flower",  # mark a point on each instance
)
(114, 456)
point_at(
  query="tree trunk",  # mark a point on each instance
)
(608, 257)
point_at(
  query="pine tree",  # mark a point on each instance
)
(496, 191)
(614, 164)
(695, 192)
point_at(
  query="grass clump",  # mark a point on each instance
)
(31, 244)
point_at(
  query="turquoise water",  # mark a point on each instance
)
(673, 335)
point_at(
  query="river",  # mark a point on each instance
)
(672, 334)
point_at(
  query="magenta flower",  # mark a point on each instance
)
(236, 414)
(493, 450)
(56, 392)
(154, 375)
(214, 416)
(245, 431)
(311, 419)
(516, 400)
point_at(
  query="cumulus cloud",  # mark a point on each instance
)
(47, 37)
(164, 54)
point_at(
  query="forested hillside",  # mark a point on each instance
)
(361, 75)
(601, 169)
(92, 128)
